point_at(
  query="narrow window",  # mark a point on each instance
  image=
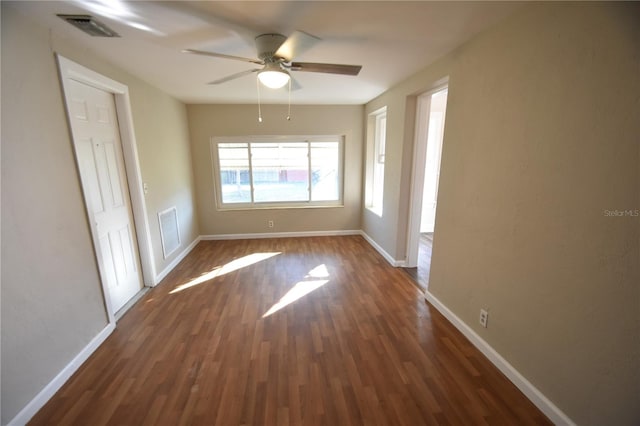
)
(376, 141)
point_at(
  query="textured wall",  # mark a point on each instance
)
(541, 140)
(52, 304)
(162, 133)
(207, 121)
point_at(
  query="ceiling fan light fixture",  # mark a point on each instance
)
(273, 77)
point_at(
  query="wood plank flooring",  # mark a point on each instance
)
(305, 331)
(420, 274)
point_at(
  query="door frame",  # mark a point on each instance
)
(423, 106)
(70, 70)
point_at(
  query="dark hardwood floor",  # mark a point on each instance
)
(420, 274)
(314, 331)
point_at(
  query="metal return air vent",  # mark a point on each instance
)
(90, 25)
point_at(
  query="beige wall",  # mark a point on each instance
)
(162, 134)
(52, 304)
(206, 121)
(541, 138)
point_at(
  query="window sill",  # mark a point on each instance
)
(375, 210)
(271, 207)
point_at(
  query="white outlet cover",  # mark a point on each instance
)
(484, 317)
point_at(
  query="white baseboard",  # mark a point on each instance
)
(279, 235)
(175, 261)
(395, 263)
(130, 303)
(23, 417)
(379, 249)
(542, 402)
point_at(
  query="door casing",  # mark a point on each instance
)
(70, 70)
(418, 171)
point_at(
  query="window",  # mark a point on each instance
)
(259, 172)
(376, 140)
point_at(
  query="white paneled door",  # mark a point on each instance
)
(96, 137)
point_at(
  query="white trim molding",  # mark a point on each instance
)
(393, 262)
(30, 410)
(279, 235)
(167, 251)
(249, 143)
(420, 138)
(175, 261)
(530, 391)
(70, 70)
(542, 402)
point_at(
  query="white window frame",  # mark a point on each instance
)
(277, 139)
(376, 146)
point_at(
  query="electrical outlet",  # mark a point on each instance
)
(270, 224)
(484, 318)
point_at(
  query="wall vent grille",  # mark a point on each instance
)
(169, 232)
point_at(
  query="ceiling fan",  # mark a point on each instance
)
(276, 53)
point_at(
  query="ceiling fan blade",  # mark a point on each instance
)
(295, 44)
(222, 55)
(234, 76)
(326, 68)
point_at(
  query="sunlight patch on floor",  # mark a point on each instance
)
(308, 284)
(234, 265)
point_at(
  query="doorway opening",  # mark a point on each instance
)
(429, 135)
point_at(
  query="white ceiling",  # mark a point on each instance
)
(390, 39)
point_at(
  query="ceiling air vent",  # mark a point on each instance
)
(90, 25)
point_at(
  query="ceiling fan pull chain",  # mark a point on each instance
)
(259, 108)
(289, 113)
